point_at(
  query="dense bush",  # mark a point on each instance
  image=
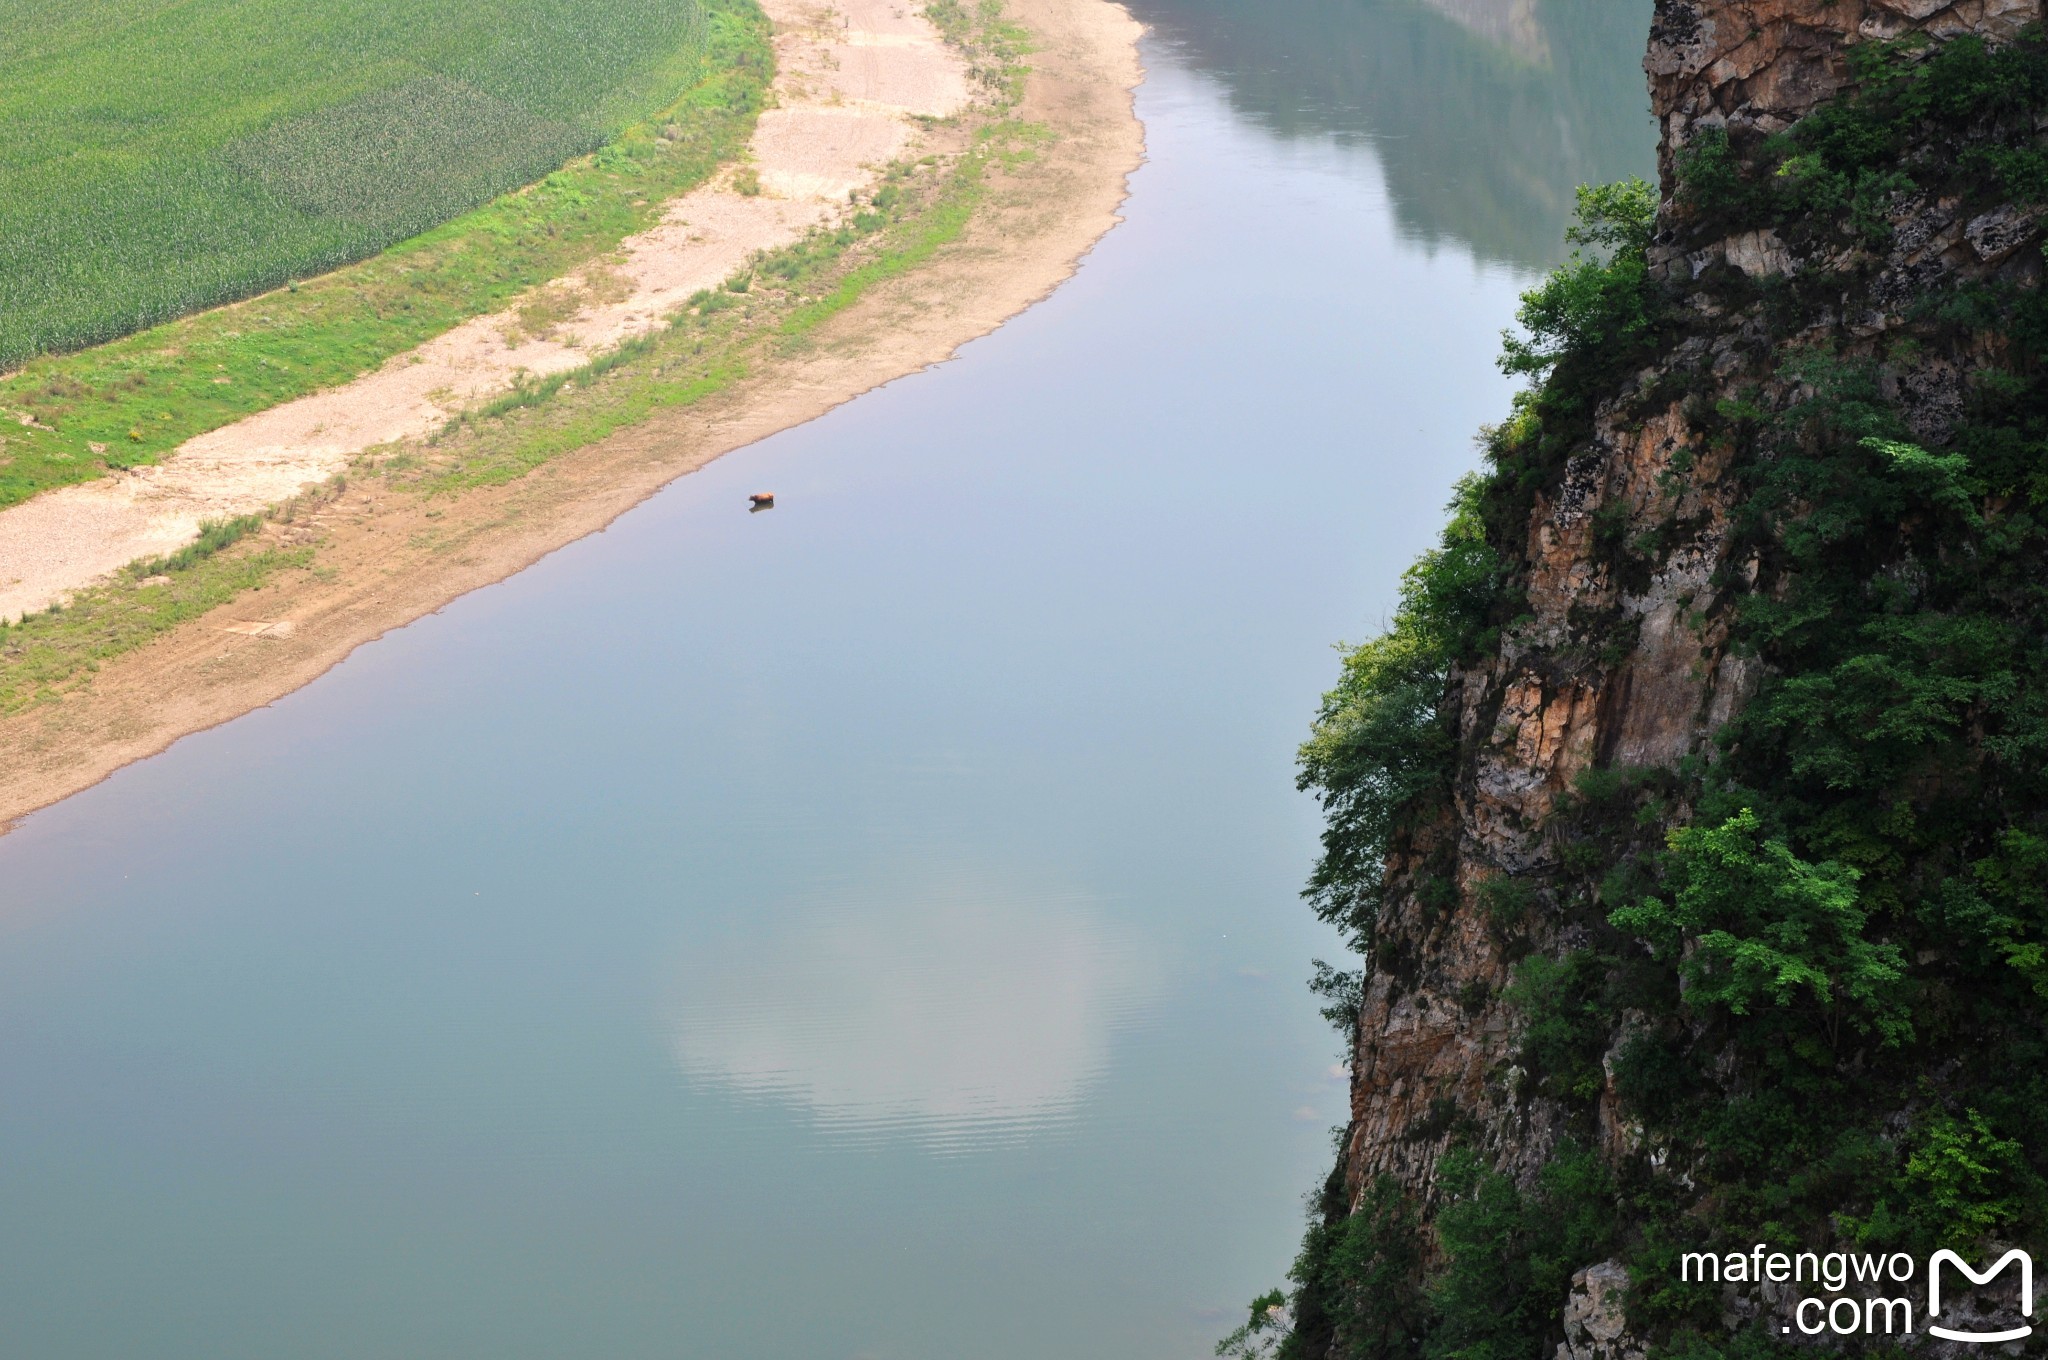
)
(1357, 1278)
(1957, 119)
(1596, 306)
(1509, 1254)
(1750, 925)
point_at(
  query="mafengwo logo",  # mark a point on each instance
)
(2026, 1264)
(1864, 1313)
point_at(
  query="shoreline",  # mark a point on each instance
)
(389, 559)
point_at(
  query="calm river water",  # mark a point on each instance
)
(866, 929)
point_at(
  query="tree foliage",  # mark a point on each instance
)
(1751, 924)
(1596, 304)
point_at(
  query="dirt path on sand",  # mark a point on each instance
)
(849, 80)
(390, 564)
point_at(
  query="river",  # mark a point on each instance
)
(862, 929)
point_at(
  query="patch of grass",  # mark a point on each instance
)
(1016, 143)
(46, 654)
(69, 418)
(917, 240)
(995, 48)
(214, 535)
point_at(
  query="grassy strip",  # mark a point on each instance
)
(47, 653)
(939, 225)
(708, 350)
(214, 535)
(76, 416)
(770, 308)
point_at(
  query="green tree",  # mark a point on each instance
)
(1960, 1177)
(1756, 925)
(1598, 301)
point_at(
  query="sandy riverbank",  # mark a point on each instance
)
(391, 559)
(851, 83)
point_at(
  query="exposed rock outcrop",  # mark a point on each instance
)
(1595, 1324)
(1761, 65)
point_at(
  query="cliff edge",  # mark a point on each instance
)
(1691, 819)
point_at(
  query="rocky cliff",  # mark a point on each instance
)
(1759, 66)
(1702, 886)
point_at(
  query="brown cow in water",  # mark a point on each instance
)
(762, 500)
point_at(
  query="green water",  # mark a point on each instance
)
(865, 929)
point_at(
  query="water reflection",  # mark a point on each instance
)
(967, 1016)
(1485, 113)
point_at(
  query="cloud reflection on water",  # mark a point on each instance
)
(963, 1017)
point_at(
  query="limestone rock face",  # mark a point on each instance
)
(1632, 668)
(1762, 64)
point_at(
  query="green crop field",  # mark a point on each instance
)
(166, 155)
